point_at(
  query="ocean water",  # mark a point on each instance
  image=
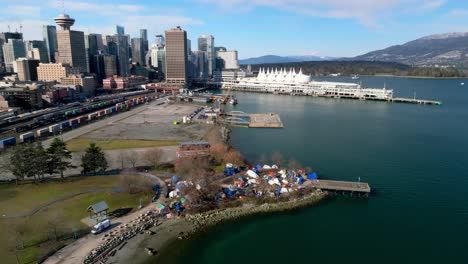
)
(415, 158)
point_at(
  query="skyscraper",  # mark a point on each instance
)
(12, 50)
(4, 37)
(71, 44)
(138, 51)
(176, 56)
(92, 49)
(49, 32)
(37, 49)
(144, 37)
(206, 44)
(119, 30)
(119, 47)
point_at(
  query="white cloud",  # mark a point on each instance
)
(367, 12)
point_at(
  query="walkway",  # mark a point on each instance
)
(78, 250)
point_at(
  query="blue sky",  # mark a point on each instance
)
(256, 27)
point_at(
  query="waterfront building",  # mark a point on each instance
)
(71, 44)
(49, 33)
(12, 50)
(227, 60)
(176, 56)
(284, 81)
(54, 71)
(206, 45)
(26, 69)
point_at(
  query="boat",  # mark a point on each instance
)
(355, 77)
(462, 83)
(233, 101)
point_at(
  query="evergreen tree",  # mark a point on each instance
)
(58, 157)
(93, 160)
(39, 163)
(22, 161)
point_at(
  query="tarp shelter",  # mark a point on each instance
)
(312, 176)
(98, 211)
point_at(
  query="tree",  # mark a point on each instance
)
(40, 161)
(22, 161)
(277, 158)
(58, 157)
(153, 157)
(132, 158)
(94, 159)
(293, 164)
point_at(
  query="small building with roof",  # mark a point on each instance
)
(98, 212)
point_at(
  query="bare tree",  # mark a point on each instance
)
(293, 164)
(133, 183)
(153, 157)
(233, 156)
(121, 159)
(132, 158)
(277, 158)
(16, 238)
(53, 226)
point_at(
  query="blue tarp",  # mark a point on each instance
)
(258, 166)
(300, 180)
(312, 176)
(175, 179)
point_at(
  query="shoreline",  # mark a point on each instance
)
(169, 232)
(414, 77)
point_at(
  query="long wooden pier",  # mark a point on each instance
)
(345, 186)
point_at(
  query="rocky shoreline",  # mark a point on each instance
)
(170, 231)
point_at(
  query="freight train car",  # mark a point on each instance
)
(27, 137)
(7, 142)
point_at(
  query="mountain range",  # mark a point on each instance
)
(283, 59)
(450, 49)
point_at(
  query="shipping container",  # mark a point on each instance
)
(7, 142)
(43, 132)
(54, 129)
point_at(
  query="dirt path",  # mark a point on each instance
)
(78, 250)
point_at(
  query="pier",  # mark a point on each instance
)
(342, 186)
(239, 118)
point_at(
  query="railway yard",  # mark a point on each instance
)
(50, 122)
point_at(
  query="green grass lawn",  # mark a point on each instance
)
(80, 144)
(66, 214)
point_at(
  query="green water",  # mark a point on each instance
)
(415, 158)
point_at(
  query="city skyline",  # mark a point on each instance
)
(256, 28)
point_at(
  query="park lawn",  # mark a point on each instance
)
(24, 197)
(66, 215)
(81, 143)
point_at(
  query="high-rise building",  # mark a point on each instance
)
(144, 37)
(110, 65)
(227, 60)
(4, 37)
(49, 33)
(119, 30)
(26, 69)
(71, 44)
(206, 44)
(12, 50)
(202, 65)
(120, 48)
(176, 56)
(92, 49)
(160, 41)
(158, 58)
(37, 49)
(138, 51)
(99, 66)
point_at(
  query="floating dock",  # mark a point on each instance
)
(238, 118)
(341, 186)
(265, 121)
